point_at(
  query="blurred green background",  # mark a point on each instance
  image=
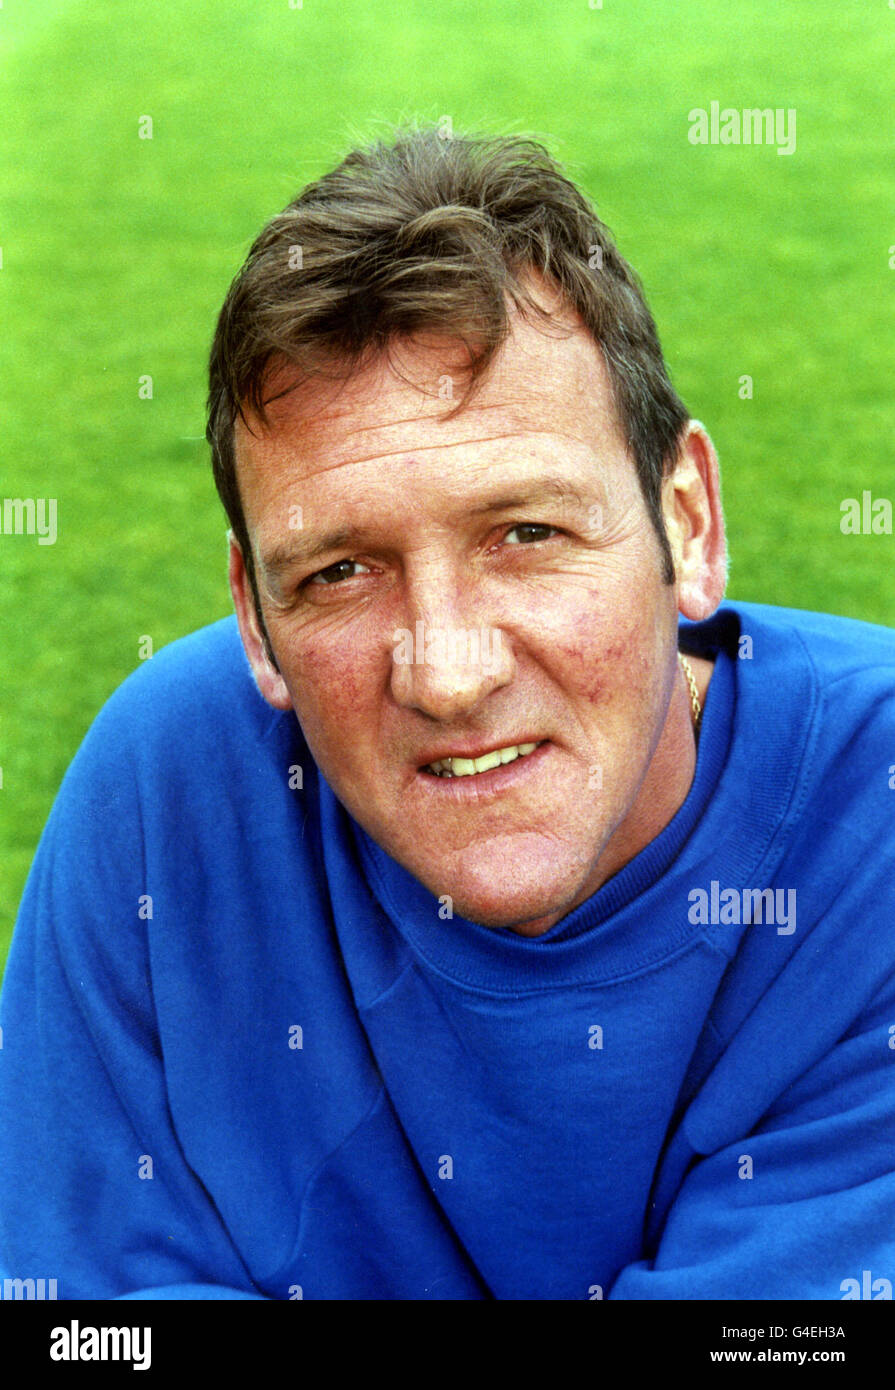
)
(117, 252)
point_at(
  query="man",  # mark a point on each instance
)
(513, 925)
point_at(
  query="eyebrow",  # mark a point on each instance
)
(283, 557)
(549, 487)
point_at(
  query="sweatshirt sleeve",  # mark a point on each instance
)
(803, 1205)
(95, 1190)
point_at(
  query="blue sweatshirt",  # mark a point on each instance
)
(246, 1054)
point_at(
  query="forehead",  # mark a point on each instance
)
(546, 396)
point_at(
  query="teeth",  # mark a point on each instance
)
(486, 762)
(465, 767)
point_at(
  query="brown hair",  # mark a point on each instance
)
(429, 233)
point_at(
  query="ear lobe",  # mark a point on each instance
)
(268, 679)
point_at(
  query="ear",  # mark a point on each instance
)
(691, 505)
(267, 677)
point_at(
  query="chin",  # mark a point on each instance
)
(516, 896)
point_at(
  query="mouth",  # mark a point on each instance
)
(459, 766)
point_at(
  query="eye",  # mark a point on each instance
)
(333, 574)
(529, 531)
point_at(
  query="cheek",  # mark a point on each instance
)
(605, 656)
(590, 667)
(330, 682)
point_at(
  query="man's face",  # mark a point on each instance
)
(439, 589)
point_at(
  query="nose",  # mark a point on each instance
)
(447, 660)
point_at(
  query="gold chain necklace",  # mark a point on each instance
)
(694, 689)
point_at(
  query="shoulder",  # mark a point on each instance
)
(843, 666)
(187, 717)
(813, 723)
(191, 676)
(835, 645)
(852, 676)
(185, 783)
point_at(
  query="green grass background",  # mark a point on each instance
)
(117, 252)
